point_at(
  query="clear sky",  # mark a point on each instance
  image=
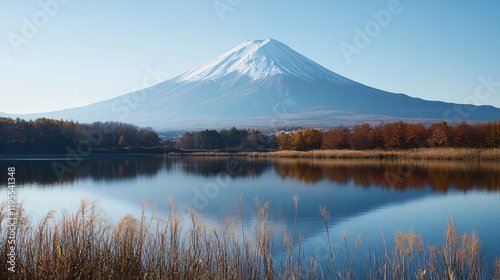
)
(57, 54)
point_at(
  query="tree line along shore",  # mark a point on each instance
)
(440, 140)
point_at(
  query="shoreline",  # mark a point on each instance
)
(451, 154)
(461, 154)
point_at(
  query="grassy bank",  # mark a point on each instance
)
(420, 153)
(86, 245)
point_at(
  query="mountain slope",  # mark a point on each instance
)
(262, 83)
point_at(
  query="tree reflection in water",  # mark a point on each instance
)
(438, 175)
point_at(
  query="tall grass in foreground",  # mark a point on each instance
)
(86, 245)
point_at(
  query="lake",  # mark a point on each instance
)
(370, 198)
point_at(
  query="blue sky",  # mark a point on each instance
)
(80, 52)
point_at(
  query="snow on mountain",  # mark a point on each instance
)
(259, 59)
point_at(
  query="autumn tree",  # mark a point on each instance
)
(121, 141)
(284, 141)
(492, 132)
(479, 135)
(395, 134)
(298, 142)
(376, 138)
(359, 139)
(312, 139)
(439, 134)
(463, 135)
(416, 135)
(336, 138)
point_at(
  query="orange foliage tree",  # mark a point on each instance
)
(312, 139)
(394, 134)
(284, 142)
(439, 134)
(492, 133)
(416, 135)
(360, 137)
(337, 138)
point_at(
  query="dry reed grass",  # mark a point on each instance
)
(86, 245)
(465, 154)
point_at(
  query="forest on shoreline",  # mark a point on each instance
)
(48, 136)
(397, 135)
(390, 136)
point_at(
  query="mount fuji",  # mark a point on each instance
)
(265, 84)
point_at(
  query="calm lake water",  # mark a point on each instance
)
(363, 196)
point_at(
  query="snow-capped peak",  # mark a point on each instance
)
(258, 59)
